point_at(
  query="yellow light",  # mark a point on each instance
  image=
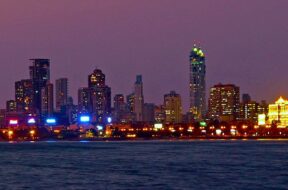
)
(10, 133)
(32, 132)
(131, 135)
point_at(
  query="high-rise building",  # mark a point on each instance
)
(84, 100)
(100, 95)
(11, 106)
(24, 96)
(173, 107)
(224, 102)
(139, 98)
(278, 113)
(197, 83)
(159, 114)
(61, 93)
(249, 111)
(119, 108)
(149, 112)
(40, 75)
(101, 103)
(96, 79)
(131, 107)
(47, 100)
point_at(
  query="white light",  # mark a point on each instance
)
(31, 121)
(109, 119)
(13, 122)
(158, 126)
(218, 131)
(99, 127)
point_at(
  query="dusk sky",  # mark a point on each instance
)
(245, 41)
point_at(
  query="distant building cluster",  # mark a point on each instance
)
(39, 102)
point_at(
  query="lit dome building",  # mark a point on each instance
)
(278, 112)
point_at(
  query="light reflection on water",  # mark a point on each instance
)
(197, 164)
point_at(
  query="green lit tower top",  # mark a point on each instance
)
(197, 83)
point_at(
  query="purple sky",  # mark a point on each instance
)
(246, 43)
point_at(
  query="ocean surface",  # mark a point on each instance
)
(198, 164)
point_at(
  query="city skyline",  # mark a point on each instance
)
(159, 53)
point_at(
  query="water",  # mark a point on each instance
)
(145, 165)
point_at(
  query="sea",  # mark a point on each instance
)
(151, 165)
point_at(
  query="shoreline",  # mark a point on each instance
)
(155, 139)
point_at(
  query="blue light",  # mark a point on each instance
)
(51, 121)
(109, 119)
(85, 119)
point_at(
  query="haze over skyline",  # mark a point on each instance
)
(245, 43)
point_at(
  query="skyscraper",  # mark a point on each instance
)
(100, 95)
(40, 75)
(173, 107)
(131, 107)
(84, 100)
(24, 96)
(149, 112)
(139, 98)
(119, 108)
(224, 102)
(47, 100)
(61, 93)
(197, 83)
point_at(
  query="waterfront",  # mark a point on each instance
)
(198, 164)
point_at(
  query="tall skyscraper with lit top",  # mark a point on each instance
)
(197, 83)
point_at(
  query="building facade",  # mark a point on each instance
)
(139, 98)
(84, 100)
(197, 83)
(224, 102)
(40, 75)
(173, 107)
(11, 106)
(278, 113)
(61, 93)
(24, 96)
(47, 100)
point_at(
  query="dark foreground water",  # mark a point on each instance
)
(145, 165)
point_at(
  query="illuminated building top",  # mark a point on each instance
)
(197, 56)
(281, 101)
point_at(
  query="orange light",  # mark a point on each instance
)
(32, 132)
